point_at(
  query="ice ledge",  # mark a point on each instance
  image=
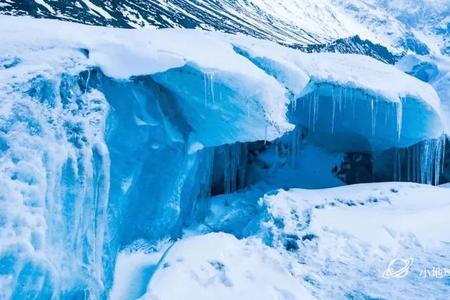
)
(260, 74)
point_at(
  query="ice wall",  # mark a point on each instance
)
(352, 101)
(349, 119)
(55, 184)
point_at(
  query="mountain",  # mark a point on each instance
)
(288, 22)
(354, 45)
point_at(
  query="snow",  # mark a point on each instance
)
(155, 52)
(290, 22)
(134, 267)
(97, 9)
(368, 92)
(344, 70)
(387, 221)
(433, 69)
(318, 244)
(261, 71)
(347, 237)
(219, 266)
(308, 16)
(44, 4)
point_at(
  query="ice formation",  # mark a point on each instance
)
(109, 137)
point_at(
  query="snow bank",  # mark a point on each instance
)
(219, 266)
(347, 237)
(320, 244)
(134, 267)
(349, 70)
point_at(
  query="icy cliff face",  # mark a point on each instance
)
(110, 138)
(333, 95)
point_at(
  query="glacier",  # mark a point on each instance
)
(116, 143)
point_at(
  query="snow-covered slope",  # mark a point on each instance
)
(349, 236)
(342, 243)
(290, 22)
(399, 25)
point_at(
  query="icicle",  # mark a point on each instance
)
(333, 113)
(265, 135)
(387, 115)
(439, 159)
(423, 162)
(308, 99)
(316, 110)
(353, 103)
(292, 146)
(235, 158)
(228, 169)
(294, 105)
(242, 174)
(205, 88)
(373, 115)
(399, 112)
(235, 164)
(211, 82)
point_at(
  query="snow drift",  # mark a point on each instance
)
(318, 244)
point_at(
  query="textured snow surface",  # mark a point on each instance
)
(347, 70)
(219, 266)
(324, 244)
(348, 236)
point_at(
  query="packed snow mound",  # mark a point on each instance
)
(219, 266)
(346, 238)
(246, 77)
(351, 70)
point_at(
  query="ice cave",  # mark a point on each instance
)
(134, 167)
